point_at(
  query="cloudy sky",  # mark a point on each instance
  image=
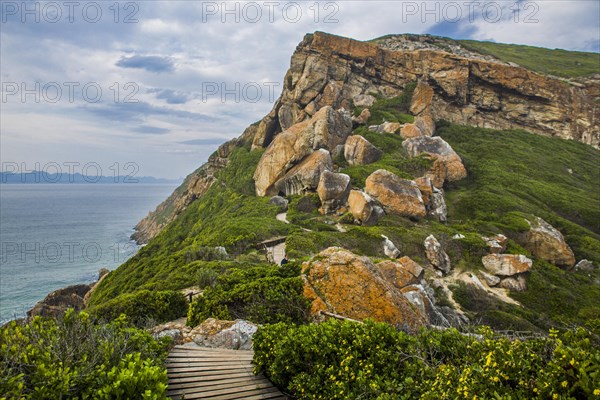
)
(163, 83)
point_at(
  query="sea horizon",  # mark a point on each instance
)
(55, 235)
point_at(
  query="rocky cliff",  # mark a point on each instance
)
(454, 85)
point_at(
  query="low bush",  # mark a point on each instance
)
(144, 306)
(346, 360)
(262, 294)
(76, 357)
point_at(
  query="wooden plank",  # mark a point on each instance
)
(272, 393)
(216, 374)
(231, 393)
(208, 361)
(212, 350)
(215, 363)
(224, 370)
(276, 395)
(176, 379)
(225, 384)
(205, 374)
(205, 356)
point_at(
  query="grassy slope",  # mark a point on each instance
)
(511, 174)
(557, 62)
(563, 63)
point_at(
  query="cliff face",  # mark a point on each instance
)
(331, 70)
(328, 70)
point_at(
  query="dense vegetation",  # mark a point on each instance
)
(77, 357)
(336, 360)
(263, 294)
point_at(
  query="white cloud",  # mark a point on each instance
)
(204, 50)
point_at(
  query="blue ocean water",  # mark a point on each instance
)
(56, 235)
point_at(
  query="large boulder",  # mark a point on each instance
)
(363, 208)
(545, 242)
(436, 255)
(325, 130)
(305, 176)
(333, 190)
(341, 282)
(359, 151)
(396, 195)
(447, 164)
(235, 335)
(506, 264)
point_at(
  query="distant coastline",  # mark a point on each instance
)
(42, 177)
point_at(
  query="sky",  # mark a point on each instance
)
(151, 88)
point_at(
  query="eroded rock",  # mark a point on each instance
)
(364, 208)
(333, 190)
(396, 195)
(436, 255)
(547, 243)
(389, 248)
(341, 282)
(359, 151)
(325, 130)
(305, 176)
(447, 166)
(235, 335)
(506, 264)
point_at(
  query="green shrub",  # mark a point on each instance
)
(263, 294)
(342, 360)
(144, 306)
(75, 357)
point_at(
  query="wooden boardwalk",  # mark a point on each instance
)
(203, 373)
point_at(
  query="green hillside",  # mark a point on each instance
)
(558, 62)
(512, 175)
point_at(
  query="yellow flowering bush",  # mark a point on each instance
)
(345, 360)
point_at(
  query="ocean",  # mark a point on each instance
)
(56, 235)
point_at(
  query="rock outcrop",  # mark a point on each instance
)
(340, 282)
(545, 242)
(304, 176)
(359, 151)
(57, 302)
(422, 126)
(436, 255)
(496, 244)
(389, 248)
(386, 127)
(396, 195)
(325, 130)
(235, 335)
(506, 264)
(333, 190)
(280, 202)
(465, 88)
(447, 166)
(364, 208)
